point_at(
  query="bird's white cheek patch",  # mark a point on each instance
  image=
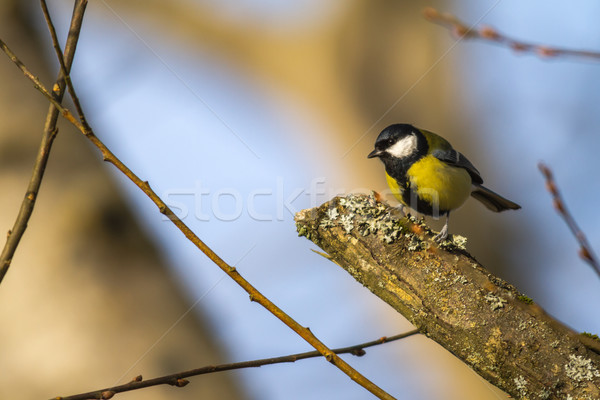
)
(404, 147)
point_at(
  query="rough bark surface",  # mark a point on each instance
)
(450, 297)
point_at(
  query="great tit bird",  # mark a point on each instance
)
(426, 174)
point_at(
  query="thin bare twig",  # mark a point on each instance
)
(50, 130)
(179, 380)
(461, 30)
(39, 86)
(585, 250)
(61, 60)
(254, 294)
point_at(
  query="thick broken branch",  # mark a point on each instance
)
(450, 297)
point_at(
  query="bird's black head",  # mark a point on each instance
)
(399, 141)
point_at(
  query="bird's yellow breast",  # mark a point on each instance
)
(442, 186)
(395, 188)
(439, 183)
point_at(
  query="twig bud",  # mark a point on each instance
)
(488, 32)
(430, 13)
(460, 30)
(585, 254)
(559, 206)
(545, 170)
(516, 46)
(358, 352)
(378, 196)
(546, 51)
(181, 382)
(551, 187)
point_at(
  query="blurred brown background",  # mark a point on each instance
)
(100, 287)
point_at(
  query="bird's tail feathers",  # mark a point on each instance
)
(493, 200)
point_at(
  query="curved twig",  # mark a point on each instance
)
(585, 250)
(461, 30)
(179, 380)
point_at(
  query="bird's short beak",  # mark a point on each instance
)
(374, 153)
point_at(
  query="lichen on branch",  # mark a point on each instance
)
(500, 333)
